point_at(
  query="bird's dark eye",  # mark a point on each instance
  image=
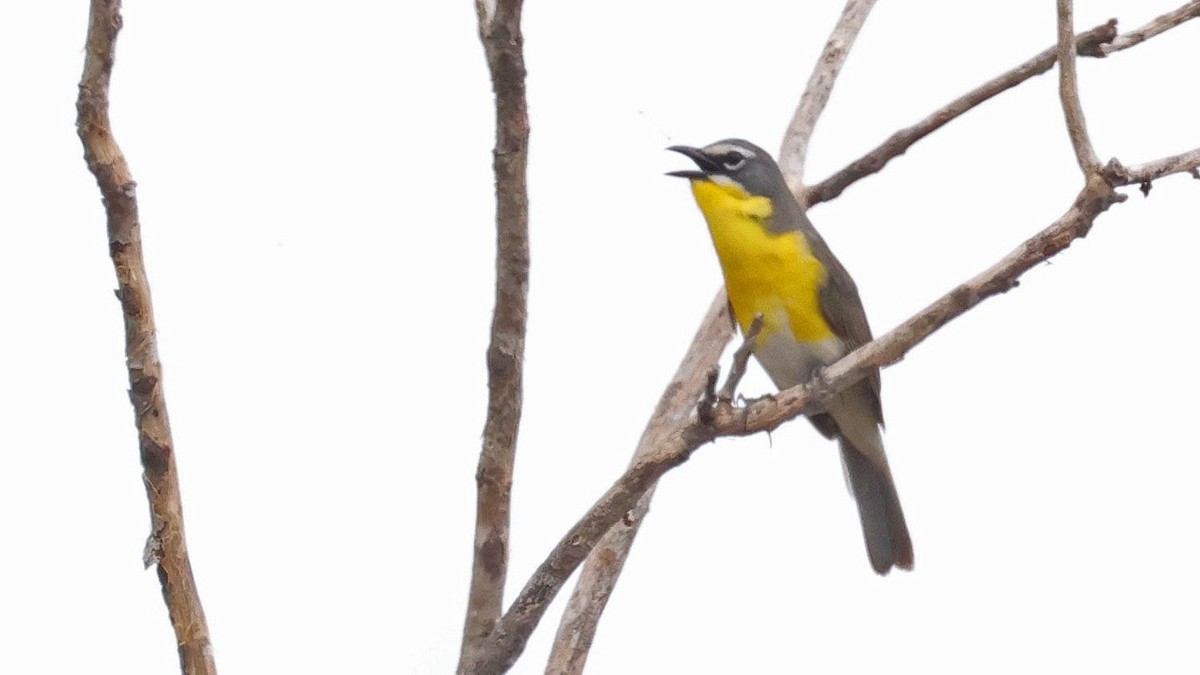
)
(733, 161)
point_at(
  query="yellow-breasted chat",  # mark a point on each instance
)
(776, 265)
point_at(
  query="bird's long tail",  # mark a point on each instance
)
(884, 529)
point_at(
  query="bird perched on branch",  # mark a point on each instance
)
(778, 267)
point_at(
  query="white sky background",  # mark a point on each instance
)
(315, 191)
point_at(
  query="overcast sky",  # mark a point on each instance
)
(315, 191)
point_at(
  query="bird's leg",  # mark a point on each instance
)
(740, 360)
(820, 391)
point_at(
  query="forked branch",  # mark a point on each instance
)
(632, 491)
(514, 628)
(1086, 44)
(500, 32)
(599, 575)
(1097, 42)
(579, 622)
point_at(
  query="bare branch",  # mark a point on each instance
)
(1097, 42)
(1159, 25)
(598, 578)
(605, 562)
(514, 628)
(1118, 174)
(1086, 44)
(1068, 91)
(591, 594)
(500, 32)
(166, 546)
(793, 153)
(599, 575)
(768, 413)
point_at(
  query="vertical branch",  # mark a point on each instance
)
(793, 153)
(166, 546)
(500, 33)
(577, 628)
(1068, 91)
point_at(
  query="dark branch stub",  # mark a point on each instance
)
(709, 401)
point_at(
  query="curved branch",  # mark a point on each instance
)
(1141, 174)
(605, 562)
(1068, 92)
(1086, 44)
(500, 32)
(578, 625)
(598, 578)
(793, 152)
(1158, 26)
(577, 628)
(166, 547)
(514, 628)
(768, 413)
(1097, 42)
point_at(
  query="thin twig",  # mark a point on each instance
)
(1143, 174)
(166, 546)
(1097, 42)
(793, 152)
(500, 32)
(1159, 25)
(599, 576)
(1086, 44)
(1068, 92)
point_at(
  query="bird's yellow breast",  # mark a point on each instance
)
(773, 274)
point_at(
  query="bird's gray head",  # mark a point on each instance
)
(735, 161)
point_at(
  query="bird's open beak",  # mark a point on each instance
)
(696, 155)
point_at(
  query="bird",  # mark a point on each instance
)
(777, 266)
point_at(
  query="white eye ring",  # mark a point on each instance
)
(733, 165)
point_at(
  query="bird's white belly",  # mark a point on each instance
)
(790, 363)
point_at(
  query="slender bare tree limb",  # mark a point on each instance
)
(500, 33)
(1142, 174)
(1068, 92)
(793, 152)
(517, 624)
(765, 414)
(768, 413)
(1159, 25)
(1086, 44)
(1097, 42)
(578, 625)
(166, 547)
(512, 632)
(599, 575)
